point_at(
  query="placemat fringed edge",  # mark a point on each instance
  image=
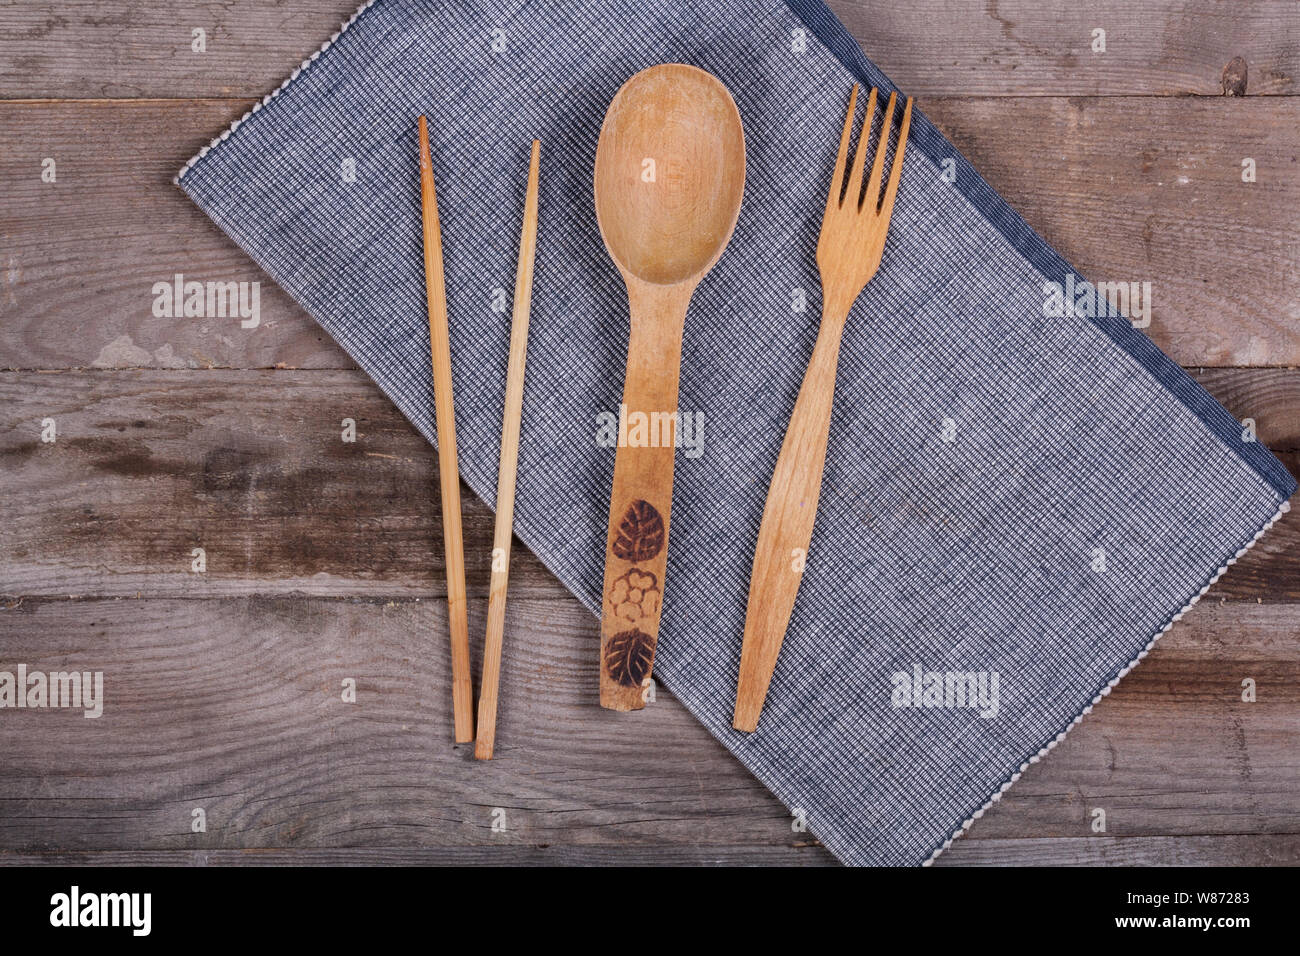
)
(176, 181)
(1114, 681)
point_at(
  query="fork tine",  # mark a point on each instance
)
(878, 167)
(896, 169)
(860, 158)
(837, 177)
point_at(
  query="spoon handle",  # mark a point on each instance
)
(786, 530)
(636, 546)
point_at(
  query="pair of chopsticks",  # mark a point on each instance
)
(448, 472)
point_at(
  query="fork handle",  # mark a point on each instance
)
(787, 527)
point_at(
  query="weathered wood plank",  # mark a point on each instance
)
(77, 48)
(250, 466)
(1151, 190)
(1174, 750)
(81, 254)
(1128, 189)
(1031, 48)
(1281, 849)
(90, 49)
(1269, 396)
(234, 705)
(543, 855)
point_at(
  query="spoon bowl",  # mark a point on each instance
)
(670, 174)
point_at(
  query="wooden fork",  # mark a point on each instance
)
(848, 253)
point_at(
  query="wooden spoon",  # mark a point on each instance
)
(670, 174)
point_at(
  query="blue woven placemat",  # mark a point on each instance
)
(1023, 500)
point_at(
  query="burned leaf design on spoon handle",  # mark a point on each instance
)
(640, 534)
(634, 596)
(628, 657)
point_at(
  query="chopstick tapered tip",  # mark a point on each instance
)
(426, 157)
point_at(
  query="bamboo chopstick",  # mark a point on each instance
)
(496, 616)
(462, 692)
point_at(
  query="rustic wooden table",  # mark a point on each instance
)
(323, 558)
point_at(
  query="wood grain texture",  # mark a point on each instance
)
(1177, 726)
(1210, 850)
(157, 463)
(543, 855)
(1150, 190)
(511, 421)
(1282, 849)
(448, 470)
(1269, 396)
(80, 255)
(251, 466)
(234, 705)
(1101, 179)
(87, 49)
(1030, 48)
